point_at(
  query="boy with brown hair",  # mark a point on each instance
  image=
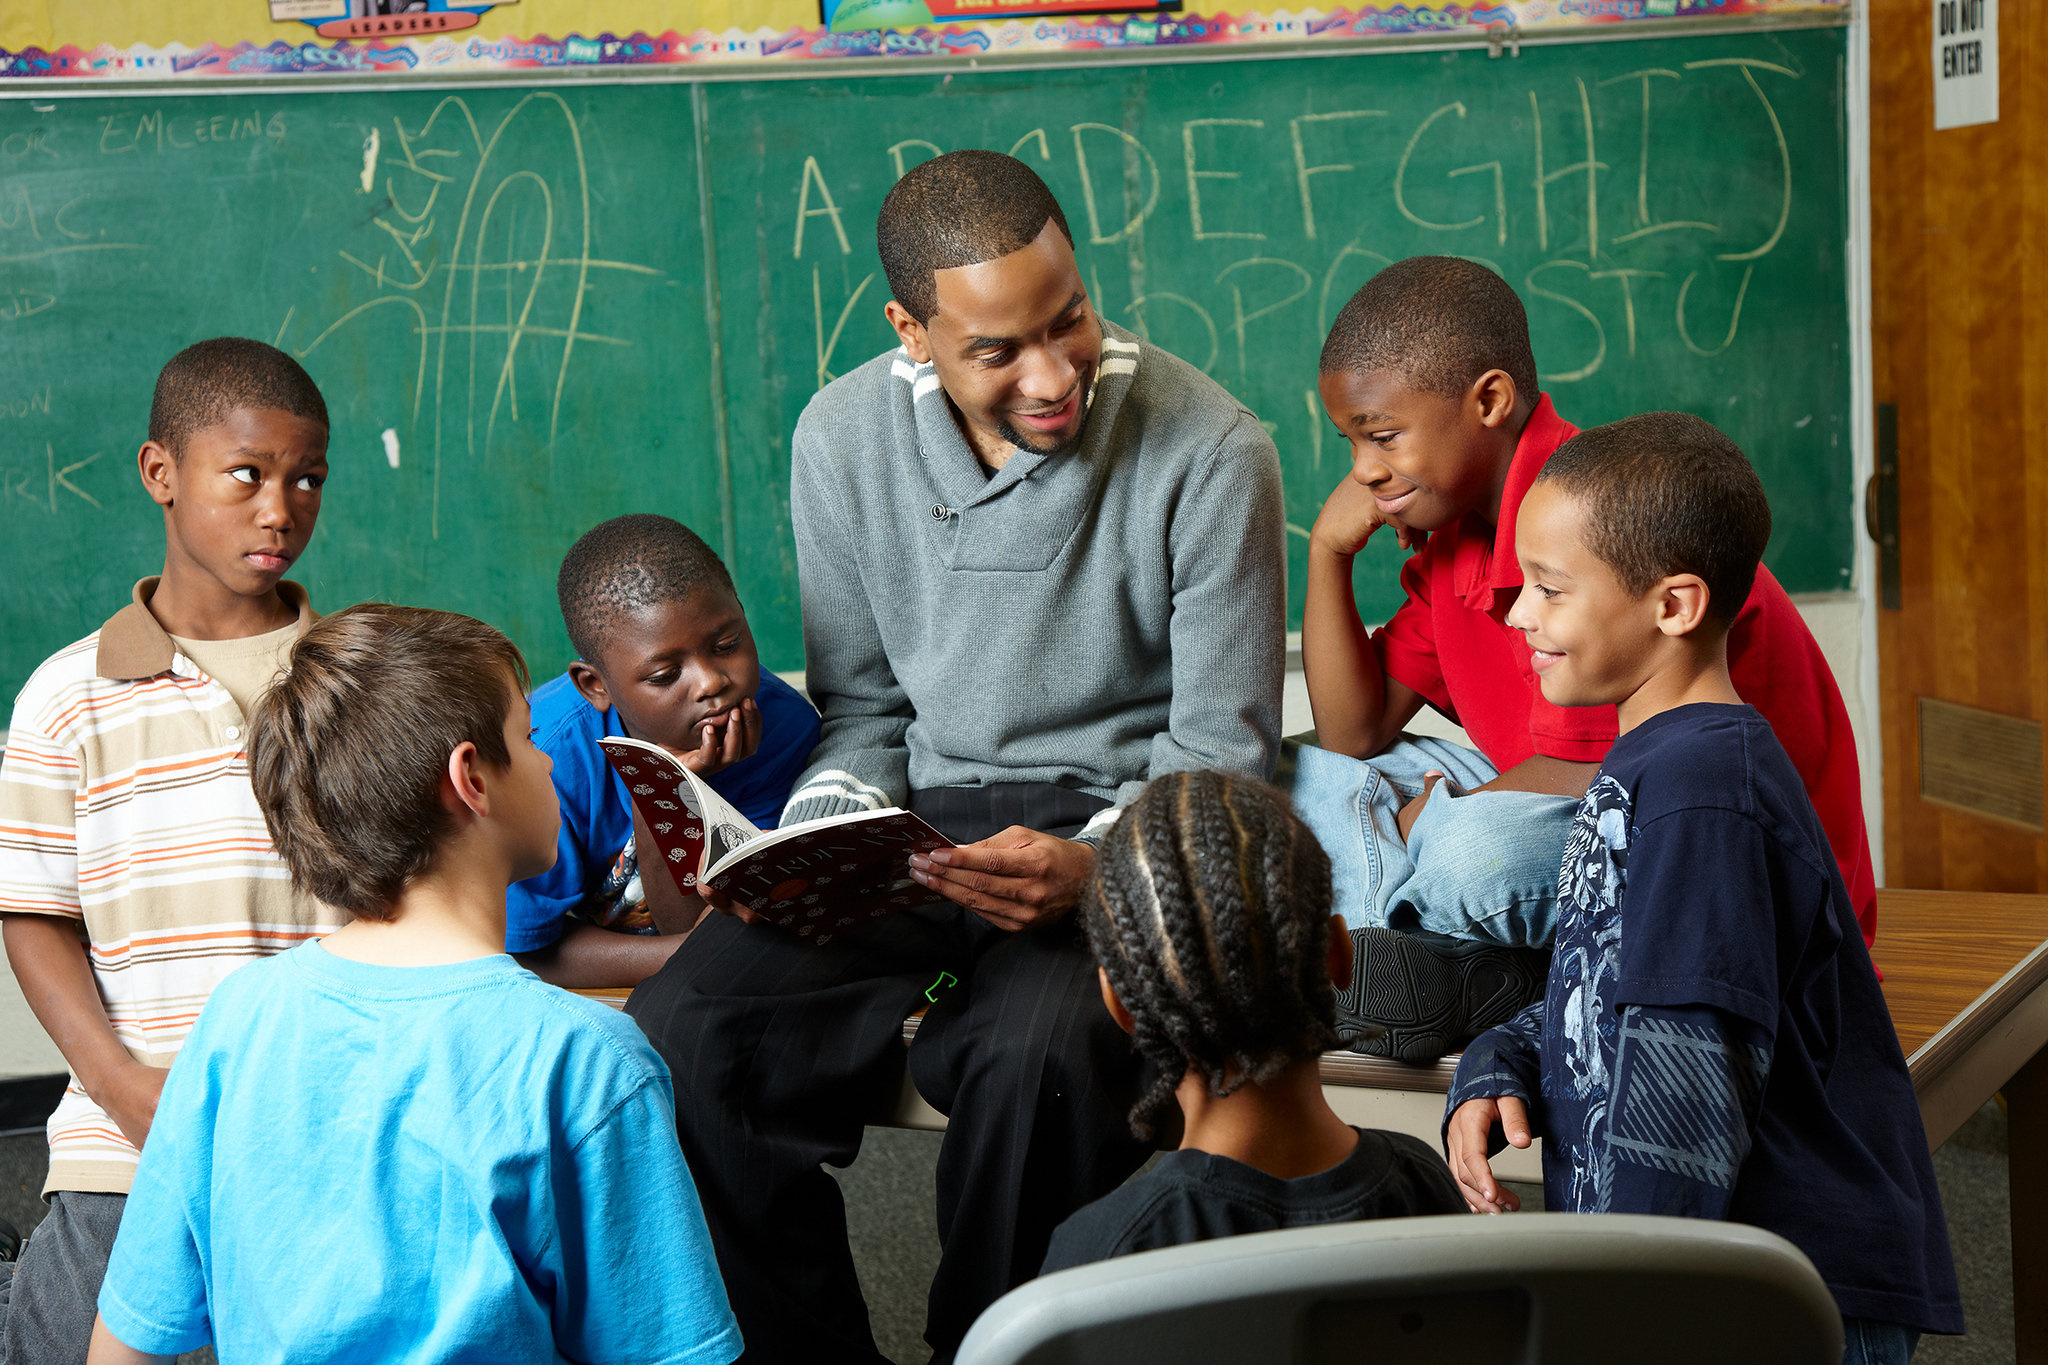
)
(1712, 1042)
(1429, 375)
(135, 871)
(497, 1173)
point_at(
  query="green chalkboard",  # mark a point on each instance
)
(562, 304)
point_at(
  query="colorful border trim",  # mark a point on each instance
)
(1095, 33)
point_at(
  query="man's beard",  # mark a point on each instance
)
(1009, 432)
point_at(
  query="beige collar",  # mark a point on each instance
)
(133, 645)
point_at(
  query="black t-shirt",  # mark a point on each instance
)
(1193, 1196)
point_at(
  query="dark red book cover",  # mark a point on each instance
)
(819, 879)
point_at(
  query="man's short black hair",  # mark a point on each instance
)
(207, 380)
(962, 208)
(626, 565)
(1439, 322)
(1666, 493)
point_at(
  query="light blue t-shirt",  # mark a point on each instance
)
(352, 1162)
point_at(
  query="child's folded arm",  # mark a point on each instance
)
(1358, 703)
(1688, 1088)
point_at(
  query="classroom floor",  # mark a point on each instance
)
(889, 1203)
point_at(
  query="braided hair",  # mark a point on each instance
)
(1209, 911)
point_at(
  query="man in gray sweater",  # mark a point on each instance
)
(1042, 562)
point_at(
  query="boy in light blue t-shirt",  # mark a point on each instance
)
(396, 1143)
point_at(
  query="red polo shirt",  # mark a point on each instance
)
(1450, 641)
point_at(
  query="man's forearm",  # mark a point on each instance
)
(589, 958)
(56, 981)
(1545, 776)
(1358, 710)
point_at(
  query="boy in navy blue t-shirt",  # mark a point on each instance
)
(665, 656)
(1712, 1042)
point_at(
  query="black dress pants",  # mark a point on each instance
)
(782, 1050)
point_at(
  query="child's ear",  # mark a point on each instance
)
(1681, 604)
(1493, 397)
(1113, 1005)
(1340, 953)
(910, 332)
(462, 784)
(159, 470)
(590, 683)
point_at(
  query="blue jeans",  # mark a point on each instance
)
(1479, 866)
(1866, 1341)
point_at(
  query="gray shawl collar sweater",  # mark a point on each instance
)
(1092, 618)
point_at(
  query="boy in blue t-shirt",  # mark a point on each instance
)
(1712, 1042)
(665, 656)
(395, 1143)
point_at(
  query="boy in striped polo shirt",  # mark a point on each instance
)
(135, 868)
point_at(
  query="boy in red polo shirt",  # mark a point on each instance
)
(1428, 373)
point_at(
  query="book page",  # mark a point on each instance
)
(726, 831)
(653, 776)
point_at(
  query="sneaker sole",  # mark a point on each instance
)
(1411, 999)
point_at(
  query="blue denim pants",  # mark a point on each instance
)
(1477, 865)
(1866, 1341)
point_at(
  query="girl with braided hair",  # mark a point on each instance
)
(1209, 915)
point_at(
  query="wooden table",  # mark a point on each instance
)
(1966, 977)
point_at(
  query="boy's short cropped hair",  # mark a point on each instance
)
(1210, 913)
(206, 381)
(1439, 322)
(1666, 493)
(348, 748)
(955, 210)
(626, 565)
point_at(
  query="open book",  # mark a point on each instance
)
(819, 878)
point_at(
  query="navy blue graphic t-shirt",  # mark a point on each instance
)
(1712, 1041)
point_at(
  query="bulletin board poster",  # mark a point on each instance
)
(855, 16)
(898, 32)
(380, 18)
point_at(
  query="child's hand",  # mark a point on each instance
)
(1466, 1142)
(1410, 813)
(1349, 518)
(719, 746)
(130, 1099)
(726, 905)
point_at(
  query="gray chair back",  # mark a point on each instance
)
(1518, 1289)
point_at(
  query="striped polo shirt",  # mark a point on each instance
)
(125, 806)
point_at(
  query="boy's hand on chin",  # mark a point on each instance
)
(1349, 518)
(721, 745)
(1471, 1128)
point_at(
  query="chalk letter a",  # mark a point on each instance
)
(804, 211)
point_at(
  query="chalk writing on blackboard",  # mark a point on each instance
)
(1324, 197)
(483, 244)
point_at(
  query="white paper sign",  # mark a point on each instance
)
(1965, 62)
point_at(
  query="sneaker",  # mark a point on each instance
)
(1414, 996)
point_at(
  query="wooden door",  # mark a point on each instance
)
(1960, 323)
